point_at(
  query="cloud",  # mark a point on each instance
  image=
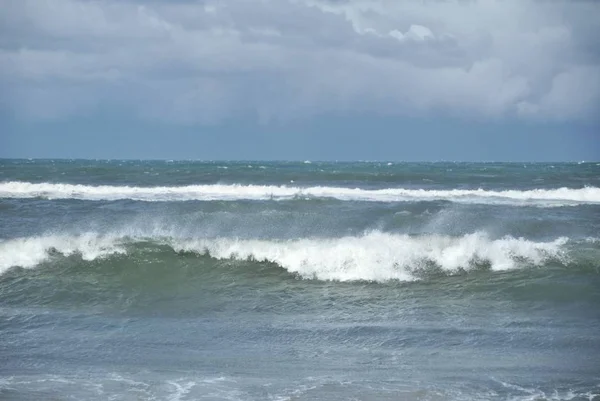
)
(191, 62)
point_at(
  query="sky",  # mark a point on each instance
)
(414, 80)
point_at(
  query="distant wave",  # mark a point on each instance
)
(539, 197)
(374, 256)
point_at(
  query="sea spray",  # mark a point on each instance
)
(375, 256)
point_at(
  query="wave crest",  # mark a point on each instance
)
(543, 197)
(375, 256)
(31, 251)
(380, 256)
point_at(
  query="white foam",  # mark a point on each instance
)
(29, 252)
(380, 256)
(375, 256)
(534, 394)
(540, 197)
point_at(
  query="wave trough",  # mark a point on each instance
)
(375, 256)
(547, 197)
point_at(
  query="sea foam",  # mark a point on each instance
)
(378, 256)
(540, 197)
(31, 251)
(374, 256)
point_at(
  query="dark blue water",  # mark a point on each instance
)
(157, 280)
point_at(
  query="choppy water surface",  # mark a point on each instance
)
(158, 280)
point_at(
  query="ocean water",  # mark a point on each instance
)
(177, 280)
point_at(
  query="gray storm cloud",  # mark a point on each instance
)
(202, 62)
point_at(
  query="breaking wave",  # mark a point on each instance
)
(543, 197)
(374, 256)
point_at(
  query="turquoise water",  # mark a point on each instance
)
(160, 280)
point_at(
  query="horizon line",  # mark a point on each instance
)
(300, 161)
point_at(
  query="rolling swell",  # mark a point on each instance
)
(373, 256)
(541, 197)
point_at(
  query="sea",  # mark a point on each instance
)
(254, 280)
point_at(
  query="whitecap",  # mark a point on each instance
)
(537, 197)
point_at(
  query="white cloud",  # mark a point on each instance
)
(202, 62)
(419, 32)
